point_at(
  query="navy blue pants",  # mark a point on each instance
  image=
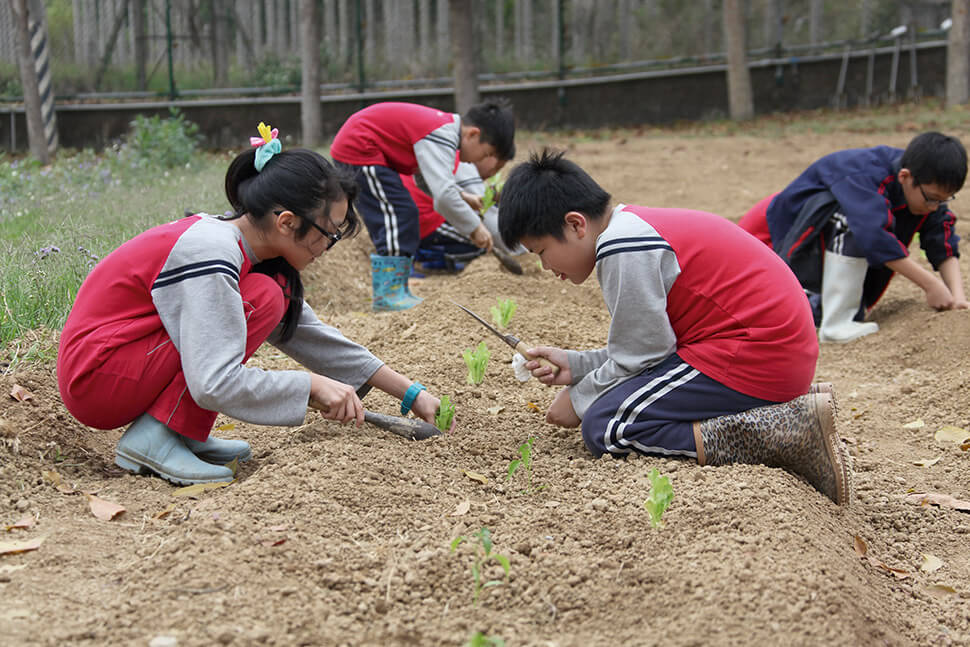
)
(654, 412)
(388, 211)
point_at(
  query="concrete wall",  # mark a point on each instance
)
(620, 100)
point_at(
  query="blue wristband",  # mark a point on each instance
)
(409, 396)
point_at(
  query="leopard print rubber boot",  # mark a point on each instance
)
(826, 387)
(798, 436)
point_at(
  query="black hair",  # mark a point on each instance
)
(297, 180)
(935, 158)
(496, 122)
(540, 192)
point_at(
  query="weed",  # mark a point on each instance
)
(525, 462)
(661, 494)
(483, 555)
(476, 360)
(163, 143)
(502, 313)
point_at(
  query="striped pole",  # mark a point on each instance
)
(41, 54)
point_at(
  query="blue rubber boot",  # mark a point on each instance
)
(389, 279)
(219, 451)
(148, 446)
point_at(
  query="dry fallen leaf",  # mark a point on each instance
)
(930, 563)
(942, 500)
(928, 462)
(862, 551)
(495, 410)
(534, 407)
(57, 481)
(20, 394)
(193, 491)
(952, 434)
(164, 513)
(860, 546)
(103, 510)
(11, 547)
(229, 426)
(940, 589)
(916, 424)
(462, 508)
(269, 543)
(475, 476)
(26, 522)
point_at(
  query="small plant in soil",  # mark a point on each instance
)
(445, 414)
(502, 313)
(524, 462)
(661, 494)
(476, 360)
(493, 189)
(478, 639)
(483, 555)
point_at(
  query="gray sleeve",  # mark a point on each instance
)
(324, 350)
(203, 314)
(635, 286)
(436, 160)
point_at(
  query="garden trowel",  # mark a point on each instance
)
(411, 428)
(512, 341)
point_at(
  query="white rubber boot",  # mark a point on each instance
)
(842, 282)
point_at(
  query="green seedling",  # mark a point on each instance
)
(479, 639)
(502, 313)
(661, 494)
(445, 414)
(493, 189)
(476, 360)
(483, 555)
(524, 461)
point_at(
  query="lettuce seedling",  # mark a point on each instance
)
(493, 189)
(479, 639)
(483, 554)
(502, 313)
(661, 494)
(445, 414)
(476, 360)
(525, 462)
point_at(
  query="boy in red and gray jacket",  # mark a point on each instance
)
(388, 139)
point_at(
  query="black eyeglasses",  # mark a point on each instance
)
(332, 238)
(932, 201)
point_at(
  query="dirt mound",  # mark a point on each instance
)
(342, 536)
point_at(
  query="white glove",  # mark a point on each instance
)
(522, 374)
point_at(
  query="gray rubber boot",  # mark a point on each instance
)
(798, 436)
(219, 451)
(148, 446)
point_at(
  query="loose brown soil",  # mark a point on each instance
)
(334, 535)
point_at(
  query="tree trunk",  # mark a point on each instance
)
(444, 38)
(28, 78)
(626, 19)
(140, 43)
(220, 44)
(499, 29)
(424, 27)
(344, 31)
(740, 102)
(311, 120)
(463, 53)
(957, 52)
(815, 22)
(370, 33)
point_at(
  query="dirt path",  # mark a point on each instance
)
(341, 536)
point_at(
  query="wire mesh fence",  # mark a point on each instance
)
(101, 48)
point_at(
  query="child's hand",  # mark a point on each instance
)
(336, 400)
(561, 411)
(938, 296)
(473, 201)
(544, 373)
(425, 406)
(482, 238)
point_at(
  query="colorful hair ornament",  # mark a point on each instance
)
(267, 145)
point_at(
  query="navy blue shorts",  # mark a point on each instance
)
(388, 211)
(654, 412)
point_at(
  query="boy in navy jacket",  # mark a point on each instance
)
(845, 224)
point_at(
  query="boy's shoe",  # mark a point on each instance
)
(798, 436)
(219, 451)
(389, 280)
(842, 282)
(148, 446)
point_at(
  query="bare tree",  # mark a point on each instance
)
(464, 53)
(140, 43)
(740, 101)
(28, 78)
(957, 51)
(311, 119)
(220, 44)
